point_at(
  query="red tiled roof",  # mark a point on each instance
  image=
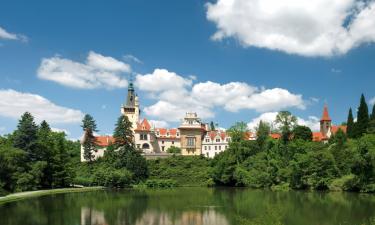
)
(163, 132)
(275, 136)
(325, 116)
(334, 128)
(104, 141)
(143, 126)
(318, 136)
(212, 134)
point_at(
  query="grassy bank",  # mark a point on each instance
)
(31, 194)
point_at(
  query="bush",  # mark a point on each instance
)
(346, 183)
(160, 183)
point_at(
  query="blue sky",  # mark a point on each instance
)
(228, 60)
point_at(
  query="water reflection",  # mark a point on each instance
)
(192, 206)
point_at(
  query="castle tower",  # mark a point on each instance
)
(325, 123)
(192, 131)
(131, 107)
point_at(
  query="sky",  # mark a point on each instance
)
(227, 60)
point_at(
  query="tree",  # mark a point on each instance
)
(212, 126)
(89, 141)
(350, 124)
(286, 122)
(128, 158)
(262, 131)
(238, 131)
(174, 150)
(362, 118)
(45, 152)
(62, 172)
(303, 133)
(373, 113)
(25, 137)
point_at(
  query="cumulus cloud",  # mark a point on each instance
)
(372, 101)
(58, 130)
(13, 104)
(312, 122)
(303, 27)
(97, 72)
(158, 123)
(177, 95)
(161, 79)
(10, 36)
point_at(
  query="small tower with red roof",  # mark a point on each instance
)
(325, 123)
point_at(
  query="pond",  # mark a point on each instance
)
(192, 206)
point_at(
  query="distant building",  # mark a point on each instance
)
(102, 143)
(215, 142)
(192, 131)
(326, 128)
(131, 107)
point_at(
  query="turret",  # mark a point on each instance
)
(325, 123)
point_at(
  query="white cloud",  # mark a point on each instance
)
(161, 80)
(130, 57)
(303, 27)
(10, 36)
(159, 123)
(372, 101)
(177, 95)
(13, 104)
(98, 72)
(312, 122)
(60, 130)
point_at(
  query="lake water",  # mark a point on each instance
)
(192, 206)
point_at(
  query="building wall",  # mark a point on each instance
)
(212, 147)
(191, 133)
(141, 144)
(165, 143)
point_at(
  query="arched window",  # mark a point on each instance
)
(145, 146)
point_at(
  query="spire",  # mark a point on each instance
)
(130, 101)
(325, 116)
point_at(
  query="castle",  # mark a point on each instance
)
(193, 136)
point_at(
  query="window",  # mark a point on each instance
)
(172, 142)
(217, 139)
(178, 134)
(219, 147)
(167, 134)
(190, 141)
(162, 148)
(215, 147)
(226, 146)
(228, 139)
(190, 122)
(157, 133)
(205, 147)
(207, 140)
(209, 147)
(162, 142)
(207, 154)
(138, 146)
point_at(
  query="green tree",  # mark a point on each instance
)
(212, 125)
(373, 113)
(123, 133)
(362, 118)
(350, 124)
(129, 157)
(238, 131)
(89, 141)
(62, 171)
(174, 149)
(25, 137)
(262, 131)
(303, 133)
(45, 152)
(286, 122)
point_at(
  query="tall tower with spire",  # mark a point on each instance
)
(131, 106)
(325, 123)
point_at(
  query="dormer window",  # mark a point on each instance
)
(217, 139)
(167, 134)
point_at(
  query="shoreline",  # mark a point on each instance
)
(30, 194)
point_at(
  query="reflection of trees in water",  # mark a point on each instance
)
(185, 206)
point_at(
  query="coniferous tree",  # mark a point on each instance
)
(362, 118)
(350, 124)
(25, 137)
(373, 113)
(262, 131)
(212, 126)
(45, 152)
(302, 133)
(89, 142)
(123, 133)
(60, 162)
